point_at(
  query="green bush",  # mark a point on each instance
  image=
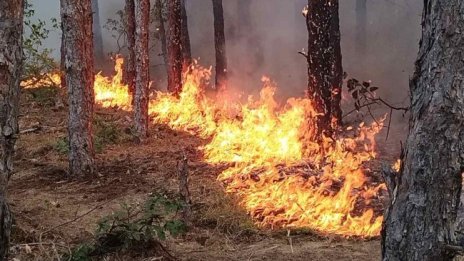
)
(133, 226)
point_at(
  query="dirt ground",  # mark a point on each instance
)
(54, 214)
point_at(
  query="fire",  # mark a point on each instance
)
(284, 177)
(50, 79)
(112, 92)
(109, 91)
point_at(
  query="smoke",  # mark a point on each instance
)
(267, 41)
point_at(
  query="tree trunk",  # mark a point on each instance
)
(130, 60)
(11, 58)
(420, 222)
(361, 24)
(77, 24)
(62, 58)
(186, 49)
(220, 46)
(97, 34)
(175, 46)
(325, 71)
(162, 31)
(142, 13)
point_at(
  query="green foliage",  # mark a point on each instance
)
(133, 226)
(106, 133)
(38, 61)
(116, 26)
(62, 145)
(117, 29)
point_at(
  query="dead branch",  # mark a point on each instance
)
(33, 129)
(74, 219)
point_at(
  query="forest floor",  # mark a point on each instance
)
(53, 214)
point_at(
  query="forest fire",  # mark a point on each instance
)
(283, 176)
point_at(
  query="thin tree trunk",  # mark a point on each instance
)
(11, 59)
(162, 32)
(130, 60)
(175, 46)
(325, 71)
(220, 46)
(186, 49)
(77, 24)
(97, 33)
(142, 13)
(420, 221)
(361, 24)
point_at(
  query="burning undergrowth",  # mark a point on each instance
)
(282, 175)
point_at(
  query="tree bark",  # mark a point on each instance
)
(162, 31)
(79, 68)
(175, 46)
(420, 222)
(130, 60)
(11, 59)
(325, 71)
(361, 24)
(142, 13)
(220, 46)
(186, 49)
(97, 33)
(62, 57)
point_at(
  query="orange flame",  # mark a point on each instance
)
(284, 177)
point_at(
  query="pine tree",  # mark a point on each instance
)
(76, 17)
(11, 59)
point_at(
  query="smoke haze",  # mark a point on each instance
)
(268, 40)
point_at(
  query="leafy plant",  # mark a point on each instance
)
(134, 226)
(38, 60)
(62, 145)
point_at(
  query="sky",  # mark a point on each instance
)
(269, 47)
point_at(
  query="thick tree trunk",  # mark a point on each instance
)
(220, 46)
(175, 46)
(142, 13)
(420, 222)
(77, 24)
(130, 60)
(186, 49)
(97, 33)
(361, 24)
(325, 71)
(162, 31)
(11, 58)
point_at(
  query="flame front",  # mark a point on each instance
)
(284, 177)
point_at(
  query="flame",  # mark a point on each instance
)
(111, 91)
(284, 177)
(49, 79)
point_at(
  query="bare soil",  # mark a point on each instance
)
(53, 213)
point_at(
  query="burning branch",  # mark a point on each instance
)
(365, 96)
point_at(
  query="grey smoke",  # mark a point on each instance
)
(278, 32)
